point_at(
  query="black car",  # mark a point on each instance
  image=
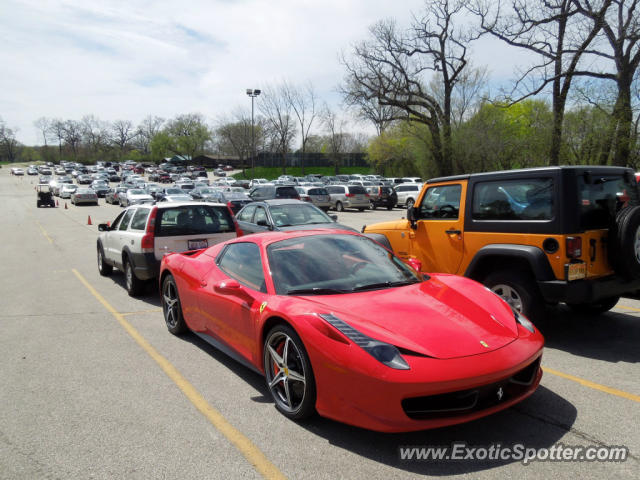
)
(383, 196)
(282, 215)
(234, 200)
(101, 188)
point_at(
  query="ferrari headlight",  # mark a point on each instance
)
(385, 353)
(524, 321)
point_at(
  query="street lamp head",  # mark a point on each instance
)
(249, 91)
(257, 91)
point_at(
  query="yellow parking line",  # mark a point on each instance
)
(624, 307)
(44, 232)
(252, 453)
(595, 386)
(151, 310)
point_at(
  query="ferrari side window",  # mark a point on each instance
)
(242, 261)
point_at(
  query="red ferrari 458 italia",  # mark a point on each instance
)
(340, 326)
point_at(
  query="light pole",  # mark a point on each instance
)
(253, 93)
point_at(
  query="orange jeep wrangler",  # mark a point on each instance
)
(533, 236)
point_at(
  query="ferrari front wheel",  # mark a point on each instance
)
(171, 307)
(288, 373)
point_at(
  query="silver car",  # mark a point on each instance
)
(407, 193)
(84, 195)
(348, 196)
(319, 196)
(134, 196)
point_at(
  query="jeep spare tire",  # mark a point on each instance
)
(624, 243)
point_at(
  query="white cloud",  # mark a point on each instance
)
(125, 60)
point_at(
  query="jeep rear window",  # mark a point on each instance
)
(193, 220)
(522, 199)
(602, 197)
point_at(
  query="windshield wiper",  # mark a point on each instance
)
(315, 291)
(373, 286)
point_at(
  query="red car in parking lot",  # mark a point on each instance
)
(340, 326)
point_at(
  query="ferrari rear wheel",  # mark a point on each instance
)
(171, 307)
(288, 373)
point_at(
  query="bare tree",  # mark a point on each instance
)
(557, 34)
(148, 128)
(303, 101)
(234, 137)
(336, 136)
(621, 47)
(43, 124)
(122, 134)
(394, 69)
(56, 128)
(95, 133)
(72, 131)
(277, 111)
(8, 142)
(368, 109)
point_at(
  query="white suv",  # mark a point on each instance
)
(407, 193)
(141, 235)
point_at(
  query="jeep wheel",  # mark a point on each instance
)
(624, 243)
(517, 288)
(595, 308)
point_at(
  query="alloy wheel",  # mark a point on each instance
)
(285, 371)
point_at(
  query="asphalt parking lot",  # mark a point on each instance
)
(93, 385)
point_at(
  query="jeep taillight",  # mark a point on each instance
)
(148, 239)
(574, 247)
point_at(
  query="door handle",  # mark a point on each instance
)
(453, 232)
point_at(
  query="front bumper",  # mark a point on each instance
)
(382, 403)
(586, 291)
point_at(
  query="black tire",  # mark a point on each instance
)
(624, 243)
(171, 307)
(595, 308)
(103, 267)
(339, 207)
(133, 284)
(52, 204)
(519, 290)
(389, 207)
(361, 209)
(38, 203)
(373, 205)
(291, 374)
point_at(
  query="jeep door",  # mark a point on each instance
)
(438, 239)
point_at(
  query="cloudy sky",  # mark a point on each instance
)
(129, 59)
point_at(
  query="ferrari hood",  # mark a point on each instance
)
(433, 318)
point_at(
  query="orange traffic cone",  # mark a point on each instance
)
(65, 206)
(108, 223)
(89, 221)
(57, 204)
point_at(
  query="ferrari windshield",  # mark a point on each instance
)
(338, 263)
